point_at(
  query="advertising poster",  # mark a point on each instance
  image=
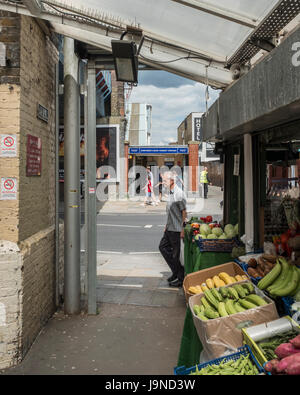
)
(107, 151)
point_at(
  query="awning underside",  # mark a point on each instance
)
(196, 39)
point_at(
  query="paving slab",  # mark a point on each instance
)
(123, 340)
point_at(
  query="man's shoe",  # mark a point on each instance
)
(172, 278)
(176, 284)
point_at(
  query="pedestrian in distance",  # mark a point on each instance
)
(160, 188)
(205, 181)
(174, 231)
(149, 197)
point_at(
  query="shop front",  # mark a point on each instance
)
(256, 127)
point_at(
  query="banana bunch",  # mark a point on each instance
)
(216, 282)
(228, 301)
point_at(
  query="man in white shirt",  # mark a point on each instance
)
(174, 231)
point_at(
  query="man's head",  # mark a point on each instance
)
(205, 168)
(169, 179)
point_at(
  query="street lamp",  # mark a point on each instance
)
(125, 60)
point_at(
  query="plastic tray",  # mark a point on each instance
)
(217, 245)
(256, 351)
(245, 350)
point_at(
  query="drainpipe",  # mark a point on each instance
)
(72, 180)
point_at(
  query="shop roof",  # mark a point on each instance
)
(196, 39)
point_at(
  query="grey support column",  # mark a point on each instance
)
(90, 188)
(249, 195)
(72, 180)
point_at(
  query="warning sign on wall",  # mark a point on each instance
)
(8, 145)
(9, 188)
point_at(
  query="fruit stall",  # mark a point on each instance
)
(234, 322)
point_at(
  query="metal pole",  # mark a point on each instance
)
(90, 188)
(72, 180)
(57, 184)
(249, 192)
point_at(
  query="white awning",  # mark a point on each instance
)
(192, 38)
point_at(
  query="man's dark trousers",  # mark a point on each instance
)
(170, 250)
(205, 186)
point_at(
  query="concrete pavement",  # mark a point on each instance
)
(139, 326)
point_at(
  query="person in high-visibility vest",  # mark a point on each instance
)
(204, 180)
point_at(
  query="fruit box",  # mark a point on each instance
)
(198, 278)
(266, 331)
(223, 335)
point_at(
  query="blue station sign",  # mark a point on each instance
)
(158, 150)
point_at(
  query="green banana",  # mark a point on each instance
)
(240, 290)
(238, 307)
(256, 299)
(248, 286)
(202, 317)
(222, 310)
(212, 300)
(279, 279)
(274, 274)
(205, 302)
(288, 275)
(224, 292)
(230, 307)
(288, 289)
(217, 295)
(197, 309)
(233, 293)
(211, 314)
(247, 305)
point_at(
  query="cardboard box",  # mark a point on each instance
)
(224, 335)
(198, 278)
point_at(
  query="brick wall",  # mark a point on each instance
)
(29, 299)
(10, 116)
(37, 194)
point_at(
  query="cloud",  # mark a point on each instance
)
(170, 106)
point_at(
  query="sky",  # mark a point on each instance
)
(172, 98)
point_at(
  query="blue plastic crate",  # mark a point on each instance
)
(287, 303)
(217, 245)
(245, 350)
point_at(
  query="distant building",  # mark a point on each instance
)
(139, 124)
(191, 130)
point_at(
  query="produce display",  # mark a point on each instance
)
(288, 357)
(283, 280)
(269, 346)
(218, 281)
(213, 231)
(243, 366)
(261, 266)
(228, 301)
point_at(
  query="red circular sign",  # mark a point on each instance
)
(9, 141)
(9, 184)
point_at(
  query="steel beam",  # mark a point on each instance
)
(34, 6)
(219, 12)
(90, 187)
(72, 180)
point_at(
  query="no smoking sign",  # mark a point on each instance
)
(9, 188)
(8, 145)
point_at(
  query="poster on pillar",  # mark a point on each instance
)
(107, 153)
